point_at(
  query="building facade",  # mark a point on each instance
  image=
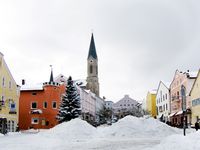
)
(39, 105)
(185, 79)
(151, 103)
(109, 104)
(163, 101)
(92, 69)
(9, 96)
(125, 106)
(195, 100)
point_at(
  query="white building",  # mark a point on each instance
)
(163, 101)
(125, 105)
(109, 105)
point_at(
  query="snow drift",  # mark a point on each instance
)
(76, 128)
(132, 126)
(177, 142)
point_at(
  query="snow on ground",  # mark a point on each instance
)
(179, 142)
(129, 133)
(132, 126)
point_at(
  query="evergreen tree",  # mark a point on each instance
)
(70, 104)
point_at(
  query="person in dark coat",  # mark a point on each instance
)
(196, 126)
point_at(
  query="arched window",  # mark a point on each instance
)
(91, 69)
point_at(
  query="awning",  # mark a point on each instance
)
(179, 113)
(172, 114)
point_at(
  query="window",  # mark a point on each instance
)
(91, 69)
(3, 82)
(45, 105)
(166, 107)
(165, 96)
(2, 100)
(33, 105)
(177, 94)
(12, 107)
(43, 122)
(34, 93)
(54, 105)
(35, 121)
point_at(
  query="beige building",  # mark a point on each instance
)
(195, 100)
(9, 96)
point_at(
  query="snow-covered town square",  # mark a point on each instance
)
(130, 133)
(99, 75)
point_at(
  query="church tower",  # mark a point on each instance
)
(92, 69)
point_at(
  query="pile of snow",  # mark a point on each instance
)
(177, 142)
(132, 126)
(74, 129)
(1, 134)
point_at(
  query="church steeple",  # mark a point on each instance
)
(92, 50)
(51, 76)
(92, 69)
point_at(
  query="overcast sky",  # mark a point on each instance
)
(138, 42)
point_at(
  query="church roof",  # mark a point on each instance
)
(92, 50)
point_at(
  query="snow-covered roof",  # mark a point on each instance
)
(193, 74)
(60, 79)
(153, 91)
(28, 87)
(81, 82)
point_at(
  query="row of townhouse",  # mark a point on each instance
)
(168, 98)
(39, 104)
(36, 106)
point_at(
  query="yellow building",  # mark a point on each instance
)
(9, 96)
(195, 100)
(151, 103)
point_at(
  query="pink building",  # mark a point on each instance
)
(181, 78)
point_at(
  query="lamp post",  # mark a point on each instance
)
(183, 95)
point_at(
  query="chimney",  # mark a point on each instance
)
(23, 81)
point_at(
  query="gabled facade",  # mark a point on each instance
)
(163, 101)
(9, 96)
(125, 106)
(195, 100)
(187, 80)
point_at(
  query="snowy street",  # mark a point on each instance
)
(129, 133)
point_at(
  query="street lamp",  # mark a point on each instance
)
(183, 95)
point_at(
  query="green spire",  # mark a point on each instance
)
(92, 50)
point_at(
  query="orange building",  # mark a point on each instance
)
(38, 106)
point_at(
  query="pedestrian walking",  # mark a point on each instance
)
(196, 126)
